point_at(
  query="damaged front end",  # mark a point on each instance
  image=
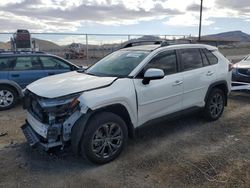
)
(49, 121)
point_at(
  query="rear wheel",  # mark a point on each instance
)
(8, 97)
(105, 137)
(215, 105)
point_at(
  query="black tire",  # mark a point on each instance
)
(214, 105)
(8, 93)
(96, 137)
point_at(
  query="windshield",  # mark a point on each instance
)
(118, 64)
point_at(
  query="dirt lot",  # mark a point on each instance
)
(188, 152)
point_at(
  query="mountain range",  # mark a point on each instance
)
(230, 36)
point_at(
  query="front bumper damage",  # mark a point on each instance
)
(45, 136)
(35, 140)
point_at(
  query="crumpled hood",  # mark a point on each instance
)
(67, 83)
(243, 64)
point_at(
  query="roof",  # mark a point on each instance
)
(181, 46)
(174, 46)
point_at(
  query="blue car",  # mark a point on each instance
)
(18, 69)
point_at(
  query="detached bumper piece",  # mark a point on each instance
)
(34, 139)
(238, 86)
(30, 135)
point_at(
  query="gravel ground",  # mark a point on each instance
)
(188, 152)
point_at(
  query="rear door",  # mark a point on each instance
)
(53, 65)
(197, 76)
(25, 70)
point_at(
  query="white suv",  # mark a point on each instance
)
(97, 109)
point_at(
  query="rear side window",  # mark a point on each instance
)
(211, 57)
(5, 63)
(27, 63)
(165, 61)
(50, 63)
(191, 59)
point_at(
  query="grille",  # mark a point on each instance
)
(244, 71)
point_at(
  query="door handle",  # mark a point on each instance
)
(210, 73)
(15, 75)
(177, 82)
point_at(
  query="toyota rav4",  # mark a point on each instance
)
(96, 110)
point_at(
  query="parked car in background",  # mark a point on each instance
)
(241, 70)
(18, 69)
(95, 111)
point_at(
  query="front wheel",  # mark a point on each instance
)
(214, 105)
(105, 137)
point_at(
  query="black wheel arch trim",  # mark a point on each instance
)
(218, 84)
(79, 128)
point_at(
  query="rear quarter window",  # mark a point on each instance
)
(211, 57)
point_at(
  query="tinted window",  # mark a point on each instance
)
(191, 59)
(27, 63)
(165, 61)
(211, 57)
(204, 59)
(53, 63)
(5, 63)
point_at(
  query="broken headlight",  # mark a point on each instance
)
(58, 109)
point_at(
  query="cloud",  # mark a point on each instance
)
(67, 15)
(187, 20)
(195, 7)
(70, 15)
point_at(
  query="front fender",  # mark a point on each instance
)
(120, 92)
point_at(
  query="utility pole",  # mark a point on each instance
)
(200, 19)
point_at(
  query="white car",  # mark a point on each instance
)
(97, 109)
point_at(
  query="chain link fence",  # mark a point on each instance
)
(82, 48)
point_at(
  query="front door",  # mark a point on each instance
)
(160, 97)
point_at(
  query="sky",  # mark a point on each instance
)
(151, 17)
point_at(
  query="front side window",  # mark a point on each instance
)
(50, 63)
(118, 64)
(27, 63)
(166, 61)
(191, 59)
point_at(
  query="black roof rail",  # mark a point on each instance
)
(160, 42)
(22, 52)
(141, 42)
(175, 42)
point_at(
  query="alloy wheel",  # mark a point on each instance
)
(216, 105)
(107, 140)
(6, 98)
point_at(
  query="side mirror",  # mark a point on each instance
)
(152, 74)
